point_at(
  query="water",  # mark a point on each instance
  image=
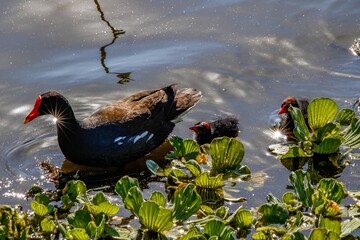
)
(245, 56)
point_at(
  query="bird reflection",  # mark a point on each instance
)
(125, 76)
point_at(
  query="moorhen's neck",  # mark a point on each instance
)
(57, 105)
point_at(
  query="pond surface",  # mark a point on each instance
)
(245, 56)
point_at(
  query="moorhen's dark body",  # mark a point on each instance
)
(287, 124)
(119, 132)
(205, 132)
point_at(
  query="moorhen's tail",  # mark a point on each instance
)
(185, 100)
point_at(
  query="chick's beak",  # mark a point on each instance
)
(195, 129)
(283, 110)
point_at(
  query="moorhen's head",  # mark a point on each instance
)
(289, 101)
(48, 103)
(205, 132)
(201, 128)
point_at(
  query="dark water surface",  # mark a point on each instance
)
(245, 56)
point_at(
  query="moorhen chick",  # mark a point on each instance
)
(287, 124)
(119, 132)
(205, 132)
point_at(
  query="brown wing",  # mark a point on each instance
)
(143, 104)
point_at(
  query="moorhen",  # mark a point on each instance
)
(205, 132)
(287, 124)
(119, 132)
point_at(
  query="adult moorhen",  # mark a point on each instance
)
(119, 132)
(287, 124)
(205, 132)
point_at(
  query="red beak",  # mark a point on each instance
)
(195, 129)
(283, 110)
(34, 113)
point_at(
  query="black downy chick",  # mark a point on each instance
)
(205, 132)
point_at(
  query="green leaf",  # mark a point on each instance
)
(114, 233)
(97, 228)
(273, 213)
(178, 173)
(241, 172)
(226, 153)
(291, 201)
(124, 184)
(243, 218)
(320, 112)
(222, 212)
(158, 198)
(186, 202)
(260, 236)
(297, 223)
(133, 200)
(352, 134)
(190, 149)
(212, 196)
(155, 168)
(320, 233)
(48, 225)
(79, 219)
(104, 207)
(193, 232)
(324, 206)
(330, 129)
(328, 145)
(176, 142)
(332, 189)
(294, 152)
(194, 167)
(39, 209)
(155, 218)
(301, 130)
(205, 181)
(91, 229)
(301, 183)
(77, 234)
(187, 149)
(348, 226)
(294, 236)
(76, 190)
(331, 225)
(43, 199)
(345, 116)
(100, 225)
(217, 228)
(98, 198)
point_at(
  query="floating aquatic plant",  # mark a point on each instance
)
(183, 149)
(153, 214)
(324, 133)
(322, 142)
(193, 185)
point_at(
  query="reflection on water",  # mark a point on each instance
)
(124, 77)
